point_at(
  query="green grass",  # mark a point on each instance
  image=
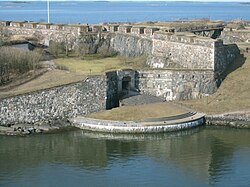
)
(92, 65)
(96, 66)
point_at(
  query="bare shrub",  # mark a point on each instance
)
(56, 48)
(16, 61)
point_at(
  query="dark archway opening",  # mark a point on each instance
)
(126, 83)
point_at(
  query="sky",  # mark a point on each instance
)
(143, 0)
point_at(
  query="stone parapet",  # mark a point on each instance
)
(57, 27)
(184, 38)
(17, 23)
(137, 30)
(30, 25)
(112, 28)
(124, 28)
(4, 23)
(150, 30)
(43, 25)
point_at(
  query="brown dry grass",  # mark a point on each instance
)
(139, 112)
(183, 24)
(232, 95)
(49, 79)
(78, 70)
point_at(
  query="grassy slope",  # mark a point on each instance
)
(99, 65)
(95, 66)
(49, 79)
(77, 70)
(139, 112)
(232, 95)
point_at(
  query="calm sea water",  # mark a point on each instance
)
(197, 157)
(96, 12)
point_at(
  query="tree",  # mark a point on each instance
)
(55, 48)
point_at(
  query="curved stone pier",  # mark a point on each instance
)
(138, 127)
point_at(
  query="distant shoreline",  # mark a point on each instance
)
(17, 2)
(245, 3)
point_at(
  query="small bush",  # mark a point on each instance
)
(56, 48)
(16, 61)
(62, 67)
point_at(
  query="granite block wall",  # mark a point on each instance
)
(55, 103)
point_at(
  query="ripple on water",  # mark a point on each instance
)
(202, 157)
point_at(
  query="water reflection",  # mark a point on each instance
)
(200, 156)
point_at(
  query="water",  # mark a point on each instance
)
(96, 12)
(197, 157)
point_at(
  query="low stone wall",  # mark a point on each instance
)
(44, 36)
(230, 120)
(136, 127)
(236, 36)
(55, 103)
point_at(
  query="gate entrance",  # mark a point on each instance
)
(126, 83)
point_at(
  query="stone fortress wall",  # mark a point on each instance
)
(166, 84)
(182, 65)
(45, 106)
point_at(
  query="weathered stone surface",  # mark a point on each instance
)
(235, 121)
(44, 36)
(136, 127)
(131, 45)
(55, 103)
(176, 85)
(95, 43)
(223, 56)
(188, 52)
(235, 36)
(231, 120)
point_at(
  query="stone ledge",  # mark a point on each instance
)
(137, 127)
